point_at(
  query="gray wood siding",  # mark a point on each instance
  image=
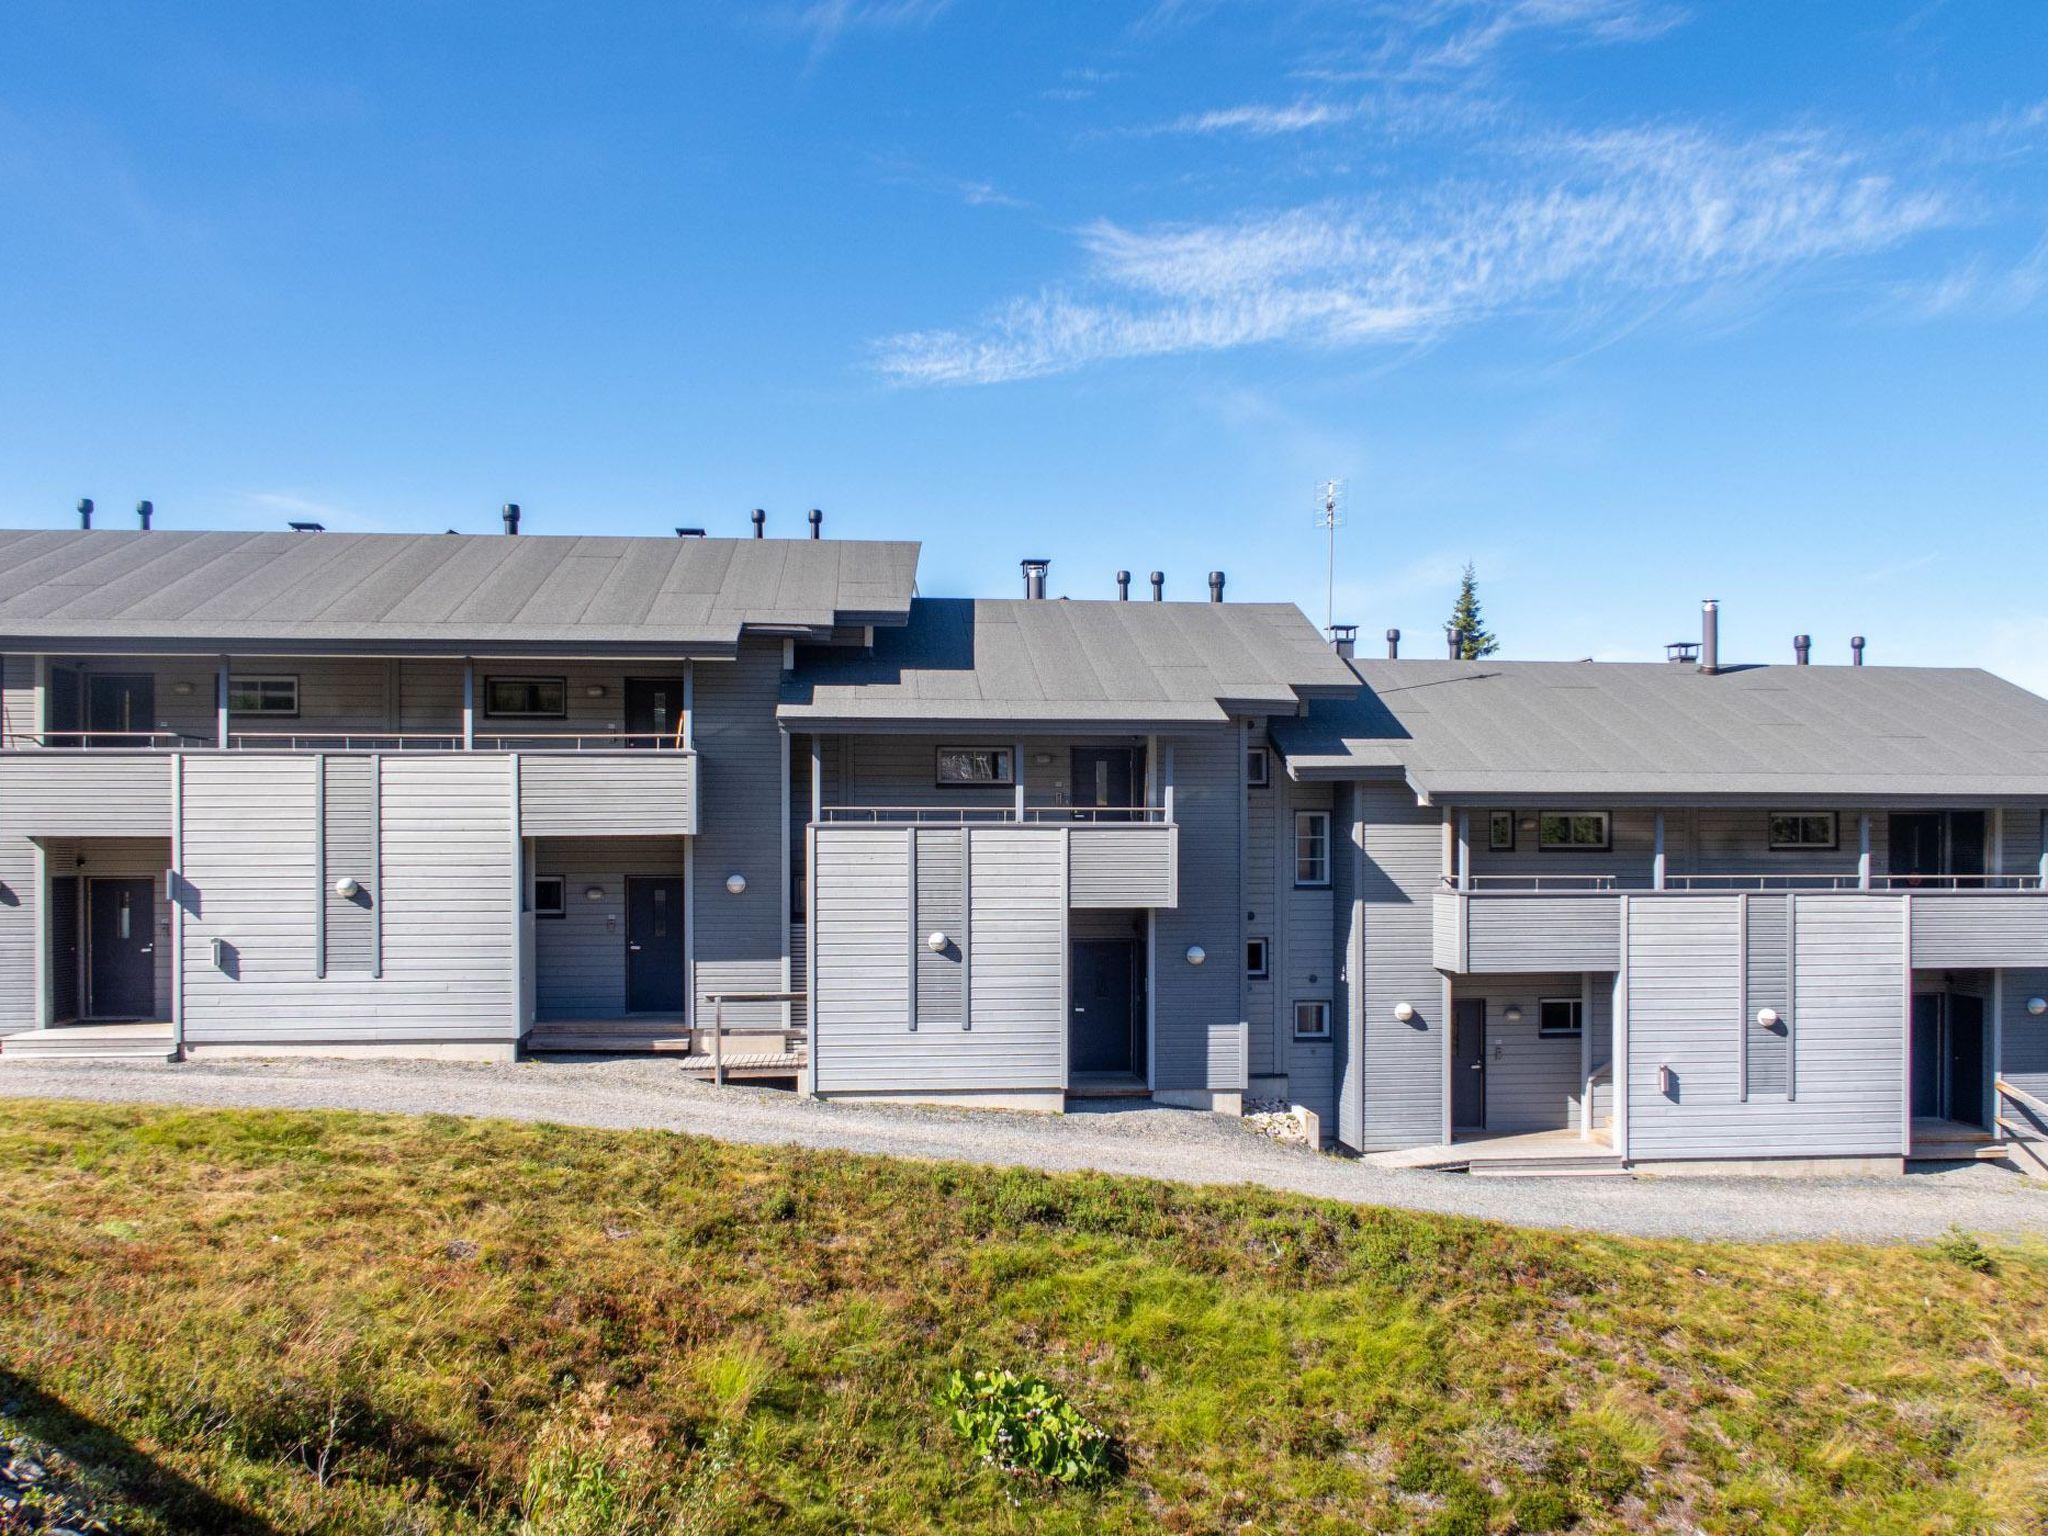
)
(739, 941)
(17, 695)
(2023, 1039)
(85, 794)
(1197, 1009)
(941, 904)
(1447, 931)
(1401, 866)
(1767, 983)
(349, 811)
(1600, 1048)
(1122, 866)
(19, 902)
(1511, 932)
(887, 769)
(1263, 901)
(1974, 929)
(250, 851)
(1347, 1018)
(608, 794)
(580, 957)
(1532, 1082)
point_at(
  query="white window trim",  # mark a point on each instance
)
(561, 884)
(1605, 845)
(1295, 1017)
(1258, 768)
(1578, 1007)
(1006, 771)
(1322, 883)
(525, 714)
(257, 680)
(1265, 970)
(1833, 843)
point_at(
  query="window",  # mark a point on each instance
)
(1573, 829)
(550, 896)
(544, 697)
(1256, 964)
(1500, 831)
(1311, 847)
(1558, 1017)
(1258, 768)
(1312, 1020)
(263, 695)
(976, 765)
(1803, 829)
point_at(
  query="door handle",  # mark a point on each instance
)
(1478, 1066)
(148, 949)
(1079, 1009)
(634, 947)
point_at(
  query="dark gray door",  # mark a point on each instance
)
(1927, 1056)
(121, 978)
(66, 707)
(654, 707)
(1966, 1085)
(1468, 1064)
(122, 705)
(64, 947)
(654, 944)
(1099, 1033)
(1104, 777)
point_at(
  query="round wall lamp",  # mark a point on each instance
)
(2037, 1006)
(593, 893)
(345, 887)
(1405, 1012)
(1513, 1013)
(594, 691)
(1768, 1017)
(182, 690)
(936, 941)
(736, 883)
(1197, 954)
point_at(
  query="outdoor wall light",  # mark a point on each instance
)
(182, 690)
(1197, 954)
(1768, 1017)
(736, 883)
(937, 941)
(1405, 1012)
(594, 691)
(1664, 1079)
(346, 887)
(593, 893)
(1513, 1014)
(2037, 1006)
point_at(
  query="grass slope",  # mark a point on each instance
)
(347, 1323)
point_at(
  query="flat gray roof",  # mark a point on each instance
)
(1123, 666)
(1484, 729)
(126, 589)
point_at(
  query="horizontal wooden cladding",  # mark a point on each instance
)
(1123, 866)
(608, 794)
(86, 794)
(1980, 929)
(1513, 932)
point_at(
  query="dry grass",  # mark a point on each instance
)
(346, 1323)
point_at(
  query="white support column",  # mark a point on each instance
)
(817, 791)
(782, 860)
(468, 704)
(220, 705)
(1017, 773)
(40, 722)
(1166, 783)
(689, 705)
(1585, 1055)
(1658, 862)
(1863, 851)
(1464, 850)
(1151, 770)
(1618, 1040)
(176, 897)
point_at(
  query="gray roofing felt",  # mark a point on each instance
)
(1014, 659)
(1586, 728)
(415, 589)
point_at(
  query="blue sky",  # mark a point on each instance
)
(1629, 302)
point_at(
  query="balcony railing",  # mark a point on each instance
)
(101, 741)
(311, 740)
(990, 815)
(1772, 880)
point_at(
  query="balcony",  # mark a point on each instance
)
(1117, 856)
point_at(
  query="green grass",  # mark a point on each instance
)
(349, 1323)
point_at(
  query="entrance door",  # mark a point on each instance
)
(1928, 1053)
(654, 707)
(1966, 1058)
(1099, 1027)
(121, 704)
(654, 944)
(63, 947)
(121, 976)
(1104, 776)
(1468, 1064)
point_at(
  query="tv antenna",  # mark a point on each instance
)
(1330, 516)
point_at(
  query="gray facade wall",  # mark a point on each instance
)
(1347, 1054)
(2023, 1039)
(942, 856)
(1197, 1009)
(740, 941)
(17, 695)
(1265, 902)
(580, 957)
(1767, 983)
(349, 815)
(1400, 1074)
(1532, 1082)
(1306, 962)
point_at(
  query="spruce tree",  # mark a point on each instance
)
(1467, 619)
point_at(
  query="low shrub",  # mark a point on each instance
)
(1023, 1424)
(1963, 1250)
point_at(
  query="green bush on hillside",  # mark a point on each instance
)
(1023, 1424)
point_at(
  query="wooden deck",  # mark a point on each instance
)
(1527, 1154)
(149, 1041)
(748, 1054)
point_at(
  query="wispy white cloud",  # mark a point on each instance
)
(826, 22)
(973, 191)
(1584, 220)
(1980, 287)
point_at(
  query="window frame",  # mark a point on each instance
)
(1313, 883)
(1605, 845)
(258, 681)
(561, 907)
(1005, 775)
(1832, 845)
(1258, 768)
(1264, 970)
(532, 680)
(1577, 1005)
(1493, 823)
(1321, 1003)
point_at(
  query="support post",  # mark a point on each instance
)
(220, 705)
(718, 1040)
(1658, 864)
(1464, 850)
(1017, 774)
(468, 704)
(1863, 851)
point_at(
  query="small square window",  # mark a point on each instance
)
(976, 765)
(1500, 831)
(1256, 963)
(1312, 848)
(1258, 768)
(544, 698)
(1584, 831)
(550, 896)
(1558, 1017)
(1312, 1020)
(263, 695)
(1803, 829)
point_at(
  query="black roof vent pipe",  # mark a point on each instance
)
(85, 511)
(689, 533)
(1454, 641)
(307, 527)
(1856, 649)
(1393, 645)
(1344, 639)
(1034, 577)
(817, 524)
(511, 516)
(1123, 586)
(1215, 586)
(1159, 586)
(760, 524)
(1802, 649)
(144, 511)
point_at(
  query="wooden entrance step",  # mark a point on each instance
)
(91, 1042)
(1589, 1166)
(608, 1037)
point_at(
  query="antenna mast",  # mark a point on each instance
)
(1330, 516)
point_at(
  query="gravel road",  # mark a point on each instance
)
(1180, 1145)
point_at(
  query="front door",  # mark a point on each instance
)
(1966, 1058)
(63, 948)
(121, 978)
(1099, 1028)
(124, 705)
(1928, 1053)
(654, 944)
(654, 709)
(1104, 777)
(1468, 1064)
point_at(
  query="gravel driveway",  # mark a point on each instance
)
(1181, 1145)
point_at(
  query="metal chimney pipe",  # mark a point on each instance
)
(1802, 647)
(760, 524)
(1393, 645)
(1159, 586)
(1344, 639)
(1123, 586)
(1856, 649)
(1034, 577)
(144, 511)
(1454, 639)
(817, 523)
(1215, 586)
(85, 511)
(511, 516)
(1710, 635)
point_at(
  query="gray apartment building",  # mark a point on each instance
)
(759, 801)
